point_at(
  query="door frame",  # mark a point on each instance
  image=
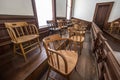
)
(108, 14)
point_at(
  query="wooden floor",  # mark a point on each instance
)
(15, 68)
(113, 34)
(86, 68)
(115, 44)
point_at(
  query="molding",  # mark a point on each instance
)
(7, 17)
(81, 19)
(14, 18)
(60, 17)
(118, 19)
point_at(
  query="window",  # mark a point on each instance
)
(44, 11)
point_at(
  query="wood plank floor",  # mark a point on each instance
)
(115, 44)
(86, 68)
(14, 67)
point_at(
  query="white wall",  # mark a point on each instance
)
(115, 13)
(61, 8)
(84, 9)
(16, 7)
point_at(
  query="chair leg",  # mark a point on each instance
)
(75, 46)
(81, 47)
(14, 49)
(68, 77)
(48, 73)
(23, 52)
(39, 45)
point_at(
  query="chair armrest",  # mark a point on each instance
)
(62, 56)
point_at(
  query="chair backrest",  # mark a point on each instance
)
(61, 24)
(52, 24)
(76, 33)
(74, 21)
(48, 40)
(54, 57)
(115, 24)
(18, 29)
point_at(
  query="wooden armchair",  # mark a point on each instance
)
(24, 36)
(77, 34)
(63, 26)
(115, 27)
(61, 61)
(53, 26)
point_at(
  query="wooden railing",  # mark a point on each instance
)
(107, 64)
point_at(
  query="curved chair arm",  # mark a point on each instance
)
(62, 56)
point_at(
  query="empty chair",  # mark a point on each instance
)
(63, 26)
(77, 34)
(53, 26)
(59, 60)
(24, 36)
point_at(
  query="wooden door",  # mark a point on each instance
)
(102, 13)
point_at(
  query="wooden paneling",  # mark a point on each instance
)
(108, 64)
(38, 73)
(88, 23)
(14, 67)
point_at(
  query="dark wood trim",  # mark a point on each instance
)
(115, 38)
(88, 22)
(43, 32)
(71, 8)
(35, 11)
(80, 19)
(61, 18)
(107, 16)
(117, 19)
(4, 17)
(54, 10)
(66, 8)
(38, 73)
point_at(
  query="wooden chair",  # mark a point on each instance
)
(63, 26)
(61, 61)
(77, 34)
(24, 36)
(53, 26)
(75, 21)
(115, 27)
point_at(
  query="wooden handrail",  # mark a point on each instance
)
(106, 55)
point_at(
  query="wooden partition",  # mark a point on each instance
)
(108, 65)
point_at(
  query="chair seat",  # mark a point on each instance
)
(25, 38)
(71, 58)
(77, 38)
(54, 29)
(62, 27)
(80, 32)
